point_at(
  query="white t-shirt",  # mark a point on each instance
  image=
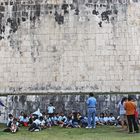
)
(106, 119)
(51, 109)
(96, 119)
(21, 118)
(42, 123)
(121, 109)
(37, 122)
(101, 119)
(111, 119)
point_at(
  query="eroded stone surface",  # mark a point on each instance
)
(72, 45)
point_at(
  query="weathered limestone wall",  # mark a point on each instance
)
(71, 46)
(65, 103)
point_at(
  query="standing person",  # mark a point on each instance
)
(122, 112)
(91, 110)
(130, 108)
(51, 109)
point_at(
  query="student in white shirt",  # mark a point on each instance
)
(106, 119)
(35, 126)
(112, 119)
(51, 109)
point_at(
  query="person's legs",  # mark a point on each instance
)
(89, 117)
(122, 120)
(32, 127)
(93, 118)
(130, 123)
(136, 128)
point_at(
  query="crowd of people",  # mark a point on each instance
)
(37, 121)
(129, 114)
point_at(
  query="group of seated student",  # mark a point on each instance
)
(105, 119)
(40, 121)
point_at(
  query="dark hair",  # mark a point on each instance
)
(111, 114)
(25, 116)
(10, 115)
(41, 118)
(123, 99)
(91, 94)
(130, 98)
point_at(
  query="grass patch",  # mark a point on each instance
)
(56, 133)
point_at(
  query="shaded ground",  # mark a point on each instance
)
(55, 133)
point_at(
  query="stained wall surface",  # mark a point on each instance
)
(69, 46)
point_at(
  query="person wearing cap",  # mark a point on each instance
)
(91, 110)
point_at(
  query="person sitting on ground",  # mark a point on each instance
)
(10, 120)
(84, 121)
(20, 118)
(35, 126)
(79, 117)
(75, 122)
(44, 116)
(25, 120)
(106, 119)
(42, 123)
(97, 119)
(69, 121)
(59, 119)
(101, 119)
(12, 124)
(30, 119)
(64, 120)
(48, 121)
(55, 119)
(9, 123)
(112, 119)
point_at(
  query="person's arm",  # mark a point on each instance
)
(95, 102)
(125, 106)
(87, 102)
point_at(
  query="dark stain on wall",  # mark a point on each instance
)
(32, 10)
(22, 100)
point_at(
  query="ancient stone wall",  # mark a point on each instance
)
(69, 46)
(62, 103)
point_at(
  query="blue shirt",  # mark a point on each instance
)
(91, 102)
